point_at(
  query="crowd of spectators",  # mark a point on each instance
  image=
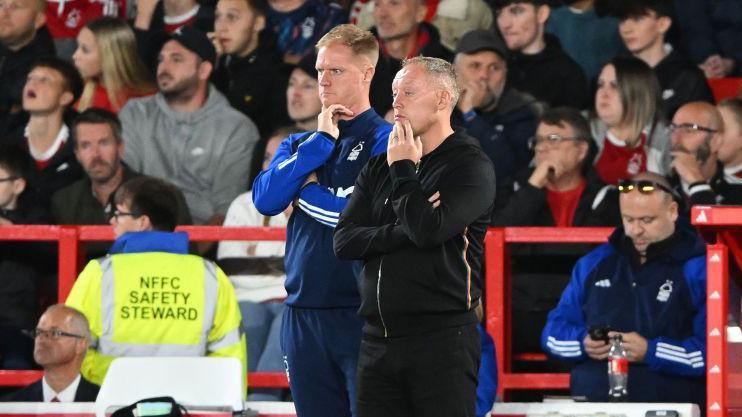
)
(567, 98)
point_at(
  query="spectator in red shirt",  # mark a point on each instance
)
(107, 59)
(562, 190)
(628, 128)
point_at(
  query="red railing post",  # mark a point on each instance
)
(494, 246)
(717, 305)
(68, 261)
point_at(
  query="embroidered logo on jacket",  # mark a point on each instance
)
(665, 290)
(353, 155)
(605, 283)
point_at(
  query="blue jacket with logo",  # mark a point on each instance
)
(663, 299)
(315, 277)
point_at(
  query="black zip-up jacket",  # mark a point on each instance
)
(681, 82)
(422, 265)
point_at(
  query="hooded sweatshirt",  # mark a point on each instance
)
(205, 153)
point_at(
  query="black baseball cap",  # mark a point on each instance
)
(195, 41)
(482, 40)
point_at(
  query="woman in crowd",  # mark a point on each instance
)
(628, 129)
(107, 59)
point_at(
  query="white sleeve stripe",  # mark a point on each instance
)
(675, 348)
(694, 364)
(698, 188)
(562, 349)
(694, 355)
(288, 161)
(563, 342)
(317, 216)
(318, 210)
(567, 354)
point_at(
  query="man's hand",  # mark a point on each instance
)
(716, 66)
(145, 12)
(217, 44)
(327, 121)
(634, 344)
(435, 199)
(403, 144)
(687, 166)
(5, 222)
(472, 95)
(596, 349)
(544, 172)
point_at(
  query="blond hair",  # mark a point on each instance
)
(442, 71)
(122, 71)
(361, 42)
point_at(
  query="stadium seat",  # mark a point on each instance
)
(196, 382)
(725, 87)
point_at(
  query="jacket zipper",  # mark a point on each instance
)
(378, 298)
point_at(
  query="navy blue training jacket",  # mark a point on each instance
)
(315, 277)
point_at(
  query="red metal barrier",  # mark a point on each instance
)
(498, 302)
(497, 282)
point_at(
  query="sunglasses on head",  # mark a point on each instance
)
(643, 186)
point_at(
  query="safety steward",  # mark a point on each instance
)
(148, 296)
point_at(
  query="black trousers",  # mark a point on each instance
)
(427, 375)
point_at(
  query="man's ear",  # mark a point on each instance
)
(66, 99)
(19, 185)
(422, 10)
(444, 100)
(259, 24)
(39, 20)
(145, 224)
(368, 74)
(542, 13)
(715, 142)
(204, 70)
(664, 24)
(673, 210)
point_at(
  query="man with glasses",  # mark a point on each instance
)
(648, 285)
(561, 190)
(61, 337)
(698, 175)
(149, 297)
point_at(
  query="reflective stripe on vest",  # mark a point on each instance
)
(106, 344)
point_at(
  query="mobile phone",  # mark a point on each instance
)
(599, 332)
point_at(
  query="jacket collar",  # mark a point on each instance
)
(682, 245)
(151, 241)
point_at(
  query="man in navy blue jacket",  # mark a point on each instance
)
(648, 283)
(316, 171)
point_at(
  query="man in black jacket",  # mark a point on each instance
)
(698, 175)
(61, 341)
(417, 218)
(561, 190)
(643, 26)
(23, 39)
(538, 65)
(250, 70)
(402, 33)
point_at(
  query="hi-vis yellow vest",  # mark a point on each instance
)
(156, 304)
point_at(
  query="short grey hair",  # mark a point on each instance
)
(443, 71)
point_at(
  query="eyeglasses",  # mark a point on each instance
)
(643, 186)
(688, 128)
(117, 214)
(53, 334)
(551, 140)
(8, 179)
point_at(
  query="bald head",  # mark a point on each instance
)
(63, 337)
(648, 214)
(700, 113)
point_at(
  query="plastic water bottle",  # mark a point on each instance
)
(618, 371)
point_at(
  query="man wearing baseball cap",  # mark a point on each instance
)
(499, 116)
(187, 132)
